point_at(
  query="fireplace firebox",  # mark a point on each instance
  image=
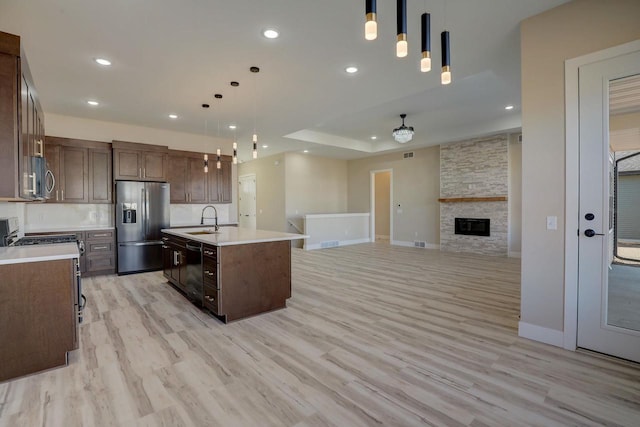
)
(473, 226)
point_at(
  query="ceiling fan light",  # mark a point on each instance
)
(403, 134)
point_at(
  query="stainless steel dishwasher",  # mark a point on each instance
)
(194, 271)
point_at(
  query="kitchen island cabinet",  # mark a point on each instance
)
(242, 272)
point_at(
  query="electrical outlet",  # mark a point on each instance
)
(552, 223)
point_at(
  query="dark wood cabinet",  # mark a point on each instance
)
(174, 258)
(41, 325)
(21, 122)
(100, 252)
(140, 162)
(82, 170)
(187, 177)
(100, 179)
(220, 181)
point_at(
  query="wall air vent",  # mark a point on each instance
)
(330, 244)
(420, 244)
(407, 155)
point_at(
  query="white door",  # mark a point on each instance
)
(247, 201)
(596, 329)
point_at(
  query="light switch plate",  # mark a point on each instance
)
(552, 223)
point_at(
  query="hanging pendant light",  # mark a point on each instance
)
(206, 163)
(445, 77)
(425, 61)
(218, 164)
(403, 134)
(235, 153)
(401, 44)
(371, 25)
(255, 146)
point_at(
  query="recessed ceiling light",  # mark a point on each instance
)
(232, 126)
(93, 103)
(305, 151)
(271, 33)
(509, 107)
(173, 116)
(265, 146)
(351, 70)
(374, 137)
(103, 61)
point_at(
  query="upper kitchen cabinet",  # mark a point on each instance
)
(220, 180)
(21, 126)
(187, 177)
(81, 169)
(140, 162)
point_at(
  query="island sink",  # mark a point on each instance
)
(198, 233)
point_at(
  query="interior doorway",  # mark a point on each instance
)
(247, 201)
(382, 206)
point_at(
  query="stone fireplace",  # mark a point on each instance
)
(474, 183)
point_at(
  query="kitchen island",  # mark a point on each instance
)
(233, 272)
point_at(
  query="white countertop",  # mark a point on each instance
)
(227, 236)
(69, 229)
(35, 253)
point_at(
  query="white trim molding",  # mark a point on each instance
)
(538, 333)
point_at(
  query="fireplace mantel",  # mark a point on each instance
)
(472, 199)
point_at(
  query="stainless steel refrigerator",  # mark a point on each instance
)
(142, 210)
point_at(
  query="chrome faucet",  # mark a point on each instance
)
(202, 217)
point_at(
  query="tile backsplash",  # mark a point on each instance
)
(52, 216)
(190, 214)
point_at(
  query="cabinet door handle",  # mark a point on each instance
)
(139, 172)
(100, 235)
(165, 247)
(33, 183)
(57, 198)
(208, 252)
(144, 172)
(39, 152)
(208, 273)
(62, 191)
(100, 247)
(175, 258)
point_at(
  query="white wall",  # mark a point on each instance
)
(547, 40)
(416, 188)
(329, 230)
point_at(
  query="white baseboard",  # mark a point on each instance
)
(340, 243)
(412, 245)
(538, 333)
(513, 254)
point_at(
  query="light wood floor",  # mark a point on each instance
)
(374, 335)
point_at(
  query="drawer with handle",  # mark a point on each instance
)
(210, 252)
(100, 235)
(211, 299)
(94, 247)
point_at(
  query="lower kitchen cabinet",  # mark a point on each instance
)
(97, 250)
(100, 252)
(174, 261)
(38, 316)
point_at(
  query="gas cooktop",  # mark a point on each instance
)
(46, 240)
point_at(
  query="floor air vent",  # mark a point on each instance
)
(330, 244)
(420, 244)
(407, 155)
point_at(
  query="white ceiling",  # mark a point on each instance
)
(171, 56)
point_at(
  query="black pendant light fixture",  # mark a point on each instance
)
(425, 61)
(445, 77)
(371, 25)
(401, 43)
